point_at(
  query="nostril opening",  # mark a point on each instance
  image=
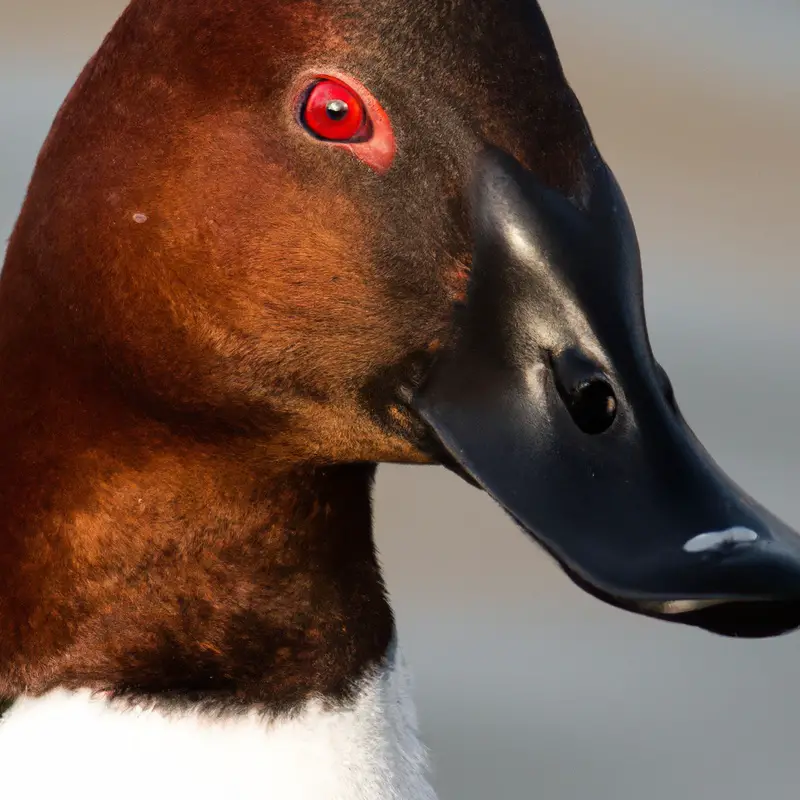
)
(585, 391)
(593, 406)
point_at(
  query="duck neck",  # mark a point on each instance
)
(237, 626)
(186, 596)
(141, 558)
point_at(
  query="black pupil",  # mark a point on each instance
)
(336, 110)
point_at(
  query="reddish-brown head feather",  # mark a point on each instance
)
(208, 320)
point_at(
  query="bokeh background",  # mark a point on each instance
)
(526, 687)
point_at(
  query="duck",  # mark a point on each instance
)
(267, 246)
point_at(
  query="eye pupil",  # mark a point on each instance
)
(337, 110)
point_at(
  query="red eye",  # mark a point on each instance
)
(342, 114)
(333, 112)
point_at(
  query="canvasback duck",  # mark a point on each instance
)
(267, 245)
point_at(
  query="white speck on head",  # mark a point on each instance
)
(713, 540)
(140, 218)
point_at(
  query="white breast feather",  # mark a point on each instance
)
(72, 745)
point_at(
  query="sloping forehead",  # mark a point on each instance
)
(437, 31)
(462, 49)
(453, 45)
(446, 70)
(491, 67)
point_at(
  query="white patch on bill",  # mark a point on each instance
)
(713, 540)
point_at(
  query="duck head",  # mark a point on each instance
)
(362, 232)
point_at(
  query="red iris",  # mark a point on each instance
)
(333, 112)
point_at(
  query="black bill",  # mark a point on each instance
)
(551, 400)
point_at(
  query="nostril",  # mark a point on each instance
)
(585, 391)
(593, 406)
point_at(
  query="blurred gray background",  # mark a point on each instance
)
(526, 687)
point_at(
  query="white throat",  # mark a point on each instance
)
(73, 745)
